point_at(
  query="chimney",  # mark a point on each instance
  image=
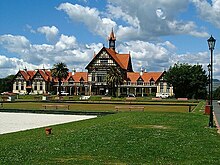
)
(142, 71)
(74, 71)
(25, 69)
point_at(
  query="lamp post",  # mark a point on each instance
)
(211, 44)
(209, 69)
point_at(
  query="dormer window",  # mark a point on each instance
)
(71, 81)
(81, 81)
(140, 81)
(152, 82)
(129, 82)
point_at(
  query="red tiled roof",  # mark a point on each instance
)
(43, 74)
(124, 59)
(133, 76)
(121, 59)
(80, 75)
(24, 74)
(147, 76)
(31, 73)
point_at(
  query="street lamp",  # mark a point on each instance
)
(209, 69)
(211, 44)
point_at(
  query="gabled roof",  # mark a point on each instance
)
(124, 59)
(27, 75)
(121, 59)
(133, 76)
(44, 75)
(78, 76)
(147, 76)
(31, 73)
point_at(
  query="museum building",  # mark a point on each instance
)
(94, 82)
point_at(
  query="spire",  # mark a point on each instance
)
(112, 36)
(112, 40)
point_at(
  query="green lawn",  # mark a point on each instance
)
(159, 107)
(121, 138)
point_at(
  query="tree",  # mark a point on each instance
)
(6, 84)
(114, 78)
(60, 72)
(187, 80)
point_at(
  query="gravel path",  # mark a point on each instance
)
(13, 122)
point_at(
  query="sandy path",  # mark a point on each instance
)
(13, 122)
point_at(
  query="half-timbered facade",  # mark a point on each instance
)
(94, 81)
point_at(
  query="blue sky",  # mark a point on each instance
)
(157, 33)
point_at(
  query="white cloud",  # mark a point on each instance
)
(10, 66)
(66, 42)
(50, 32)
(160, 13)
(209, 11)
(16, 44)
(135, 20)
(183, 28)
(155, 17)
(66, 50)
(89, 16)
(153, 57)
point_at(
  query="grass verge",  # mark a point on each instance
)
(100, 106)
(122, 138)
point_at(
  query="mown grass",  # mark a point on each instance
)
(122, 138)
(96, 107)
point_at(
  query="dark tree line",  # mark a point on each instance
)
(6, 84)
(188, 80)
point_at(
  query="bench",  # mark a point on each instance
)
(106, 98)
(117, 108)
(182, 99)
(56, 106)
(5, 98)
(58, 98)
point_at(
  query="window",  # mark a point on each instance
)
(104, 61)
(140, 82)
(129, 82)
(81, 82)
(41, 86)
(93, 77)
(16, 85)
(22, 85)
(161, 87)
(35, 85)
(152, 82)
(100, 78)
(71, 81)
